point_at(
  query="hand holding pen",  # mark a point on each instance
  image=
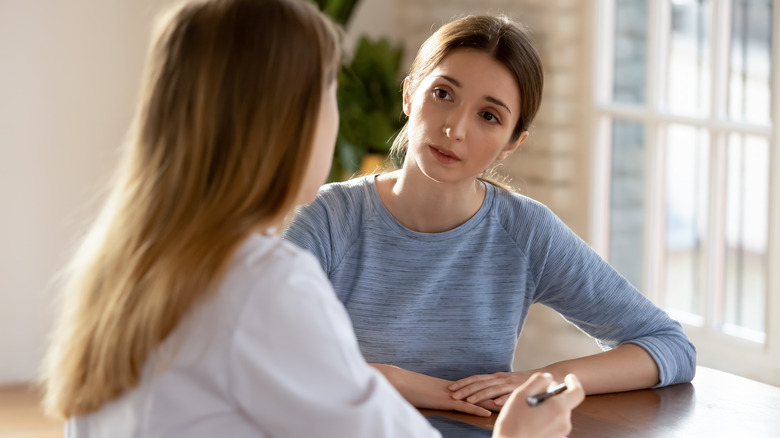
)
(540, 408)
(536, 399)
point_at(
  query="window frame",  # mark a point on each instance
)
(717, 349)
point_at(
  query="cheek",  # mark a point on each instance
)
(422, 120)
(498, 136)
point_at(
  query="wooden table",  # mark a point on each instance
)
(715, 404)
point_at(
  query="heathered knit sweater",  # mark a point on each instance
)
(452, 304)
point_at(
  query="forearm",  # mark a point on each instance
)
(423, 391)
(625, 368)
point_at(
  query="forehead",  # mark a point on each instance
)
(479, 72)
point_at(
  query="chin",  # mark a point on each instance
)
(433, 176)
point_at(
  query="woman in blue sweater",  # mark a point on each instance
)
(437, 266)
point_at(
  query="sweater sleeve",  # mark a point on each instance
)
(573, 279)
(328, 226)
(310, 229)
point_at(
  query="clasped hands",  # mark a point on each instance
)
(490, 391)
(477, 395)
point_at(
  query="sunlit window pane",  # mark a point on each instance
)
(750, 60)
(630, 64)
(627, 211)
(689, 52)
(687, 190)
(747, 197)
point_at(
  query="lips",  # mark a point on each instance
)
(443, 155)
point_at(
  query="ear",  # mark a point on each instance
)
(511, 147)
(407, 98)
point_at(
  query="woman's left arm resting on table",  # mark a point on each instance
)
(645, 347)
(659, 354)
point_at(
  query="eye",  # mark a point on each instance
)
(490, 117)
(441, 93)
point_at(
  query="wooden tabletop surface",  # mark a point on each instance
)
(715, 404)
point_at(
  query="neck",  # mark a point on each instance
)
(427, 206)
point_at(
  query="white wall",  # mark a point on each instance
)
(69, 76)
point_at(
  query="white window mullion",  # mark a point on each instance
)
(604, 41)
(714, 298)
(773, 273)
(655, 199)
(718, 116)
(605, 44)
(602, 183)
(657, 41)
(640, 114)
(721, 31)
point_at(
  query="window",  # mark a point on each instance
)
(687, 168)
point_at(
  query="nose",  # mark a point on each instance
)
(455, 126)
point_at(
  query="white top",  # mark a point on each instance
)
(272, 354)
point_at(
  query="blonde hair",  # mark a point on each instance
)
(220, 142)
(507, 43)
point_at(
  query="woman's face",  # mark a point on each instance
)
(461, 116)
(324, 142)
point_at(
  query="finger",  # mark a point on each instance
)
(563, 408)
(482, 384)
(499, 401)
(538, 382)
(489, 405)
(468, 381)
(471, 409)
(574, 393)
(492, 392)
(475, 387)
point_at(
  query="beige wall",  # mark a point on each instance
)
(68, 82)
(69, 76)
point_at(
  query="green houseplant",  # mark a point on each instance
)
(369, 97)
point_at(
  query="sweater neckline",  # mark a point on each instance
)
(387, 217)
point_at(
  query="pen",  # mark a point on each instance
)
(538, 398)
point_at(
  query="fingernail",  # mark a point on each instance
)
(453, 386)
(500, 401)
(472, 398)
(457, 395)
(547, 376)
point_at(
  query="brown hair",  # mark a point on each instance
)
(499, 37)
(223, 133)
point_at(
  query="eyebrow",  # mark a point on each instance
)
(488, 98)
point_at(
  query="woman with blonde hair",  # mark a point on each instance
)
(184, 313)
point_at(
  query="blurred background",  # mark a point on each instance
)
(656, 143)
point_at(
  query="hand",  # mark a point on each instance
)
(552, 418)
(488, 388)
(426, 392)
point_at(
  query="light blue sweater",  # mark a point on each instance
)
(452, 304)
